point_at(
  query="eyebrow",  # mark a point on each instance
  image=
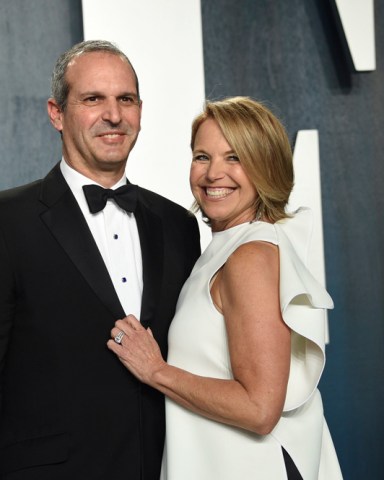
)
(96, 93)
(197, 149)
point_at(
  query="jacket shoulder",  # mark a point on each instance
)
(159, 204)
(20, 194)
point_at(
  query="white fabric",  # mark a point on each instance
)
(198, 448)
(116, 235)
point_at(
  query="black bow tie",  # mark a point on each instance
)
(125, 197)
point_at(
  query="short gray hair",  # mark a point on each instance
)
(59, 84)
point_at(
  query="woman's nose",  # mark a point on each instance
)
(215, 170)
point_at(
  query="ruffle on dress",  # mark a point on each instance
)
(303, 303)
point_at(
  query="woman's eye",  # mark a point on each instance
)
(200, 158)
(234, 158)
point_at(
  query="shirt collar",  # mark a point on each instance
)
(76, 180)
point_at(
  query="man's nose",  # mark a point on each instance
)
(112, 111)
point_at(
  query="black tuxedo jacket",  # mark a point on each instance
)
(68, 408)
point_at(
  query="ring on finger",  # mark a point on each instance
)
(119, 337)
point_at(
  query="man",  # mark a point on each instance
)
(69, 410)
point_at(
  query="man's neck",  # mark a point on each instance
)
(105, 178)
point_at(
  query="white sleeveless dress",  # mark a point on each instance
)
(201, 449)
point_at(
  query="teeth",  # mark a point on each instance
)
(111, 135)
(218, 192)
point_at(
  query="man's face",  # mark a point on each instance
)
(101, 121)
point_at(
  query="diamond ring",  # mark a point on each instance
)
(119, 337)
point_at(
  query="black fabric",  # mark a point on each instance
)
(57, 308)
(292, 471)
(125, 197)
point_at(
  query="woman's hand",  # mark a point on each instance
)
(137, 350)
(259, 342)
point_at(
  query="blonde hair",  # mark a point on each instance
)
(260, 141)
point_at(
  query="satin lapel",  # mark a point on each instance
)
(66, 222)
(152, 249)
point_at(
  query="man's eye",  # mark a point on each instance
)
(91, 99)
(129, 100)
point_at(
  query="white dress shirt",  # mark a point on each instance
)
(116, 235)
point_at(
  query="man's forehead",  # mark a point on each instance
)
(92, 73)
(98, 55)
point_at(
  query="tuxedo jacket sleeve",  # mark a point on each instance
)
(68, 408)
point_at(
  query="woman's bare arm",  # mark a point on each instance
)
(247, 291)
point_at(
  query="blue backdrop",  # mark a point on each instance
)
(32, 35)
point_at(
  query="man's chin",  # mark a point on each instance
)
(109, 164)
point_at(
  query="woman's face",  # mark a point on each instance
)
(218, 181)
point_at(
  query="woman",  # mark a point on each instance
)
(246, 346)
